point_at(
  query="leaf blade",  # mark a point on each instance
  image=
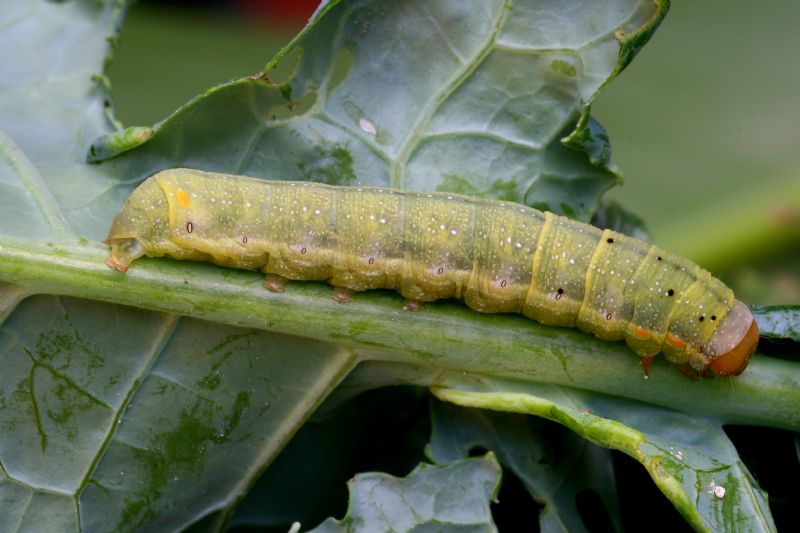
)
(691, 460)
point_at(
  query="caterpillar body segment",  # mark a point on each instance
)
(496, 256)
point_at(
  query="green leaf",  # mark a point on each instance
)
(454, 497)
(55, 102)
(381, 430)
(470, 99)
(689, 458)
(129, 428)
(611, 215)
(554, 464)
(778, 322)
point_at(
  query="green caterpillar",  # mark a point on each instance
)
(499, 257)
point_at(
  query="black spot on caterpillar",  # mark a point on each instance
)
(496, 256)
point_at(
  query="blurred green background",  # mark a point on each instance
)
(705, 123)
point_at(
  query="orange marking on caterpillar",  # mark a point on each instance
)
(643, 333)
(183, 198)
(675, 341)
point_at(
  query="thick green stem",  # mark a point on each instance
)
(443, 335)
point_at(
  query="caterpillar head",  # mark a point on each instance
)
(733, 342)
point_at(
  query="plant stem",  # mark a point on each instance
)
(374, 326)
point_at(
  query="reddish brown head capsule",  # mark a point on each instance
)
(733, 342)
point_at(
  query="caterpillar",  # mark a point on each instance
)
(499, 257)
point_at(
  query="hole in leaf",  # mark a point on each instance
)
(515, 510)
(593, 511)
